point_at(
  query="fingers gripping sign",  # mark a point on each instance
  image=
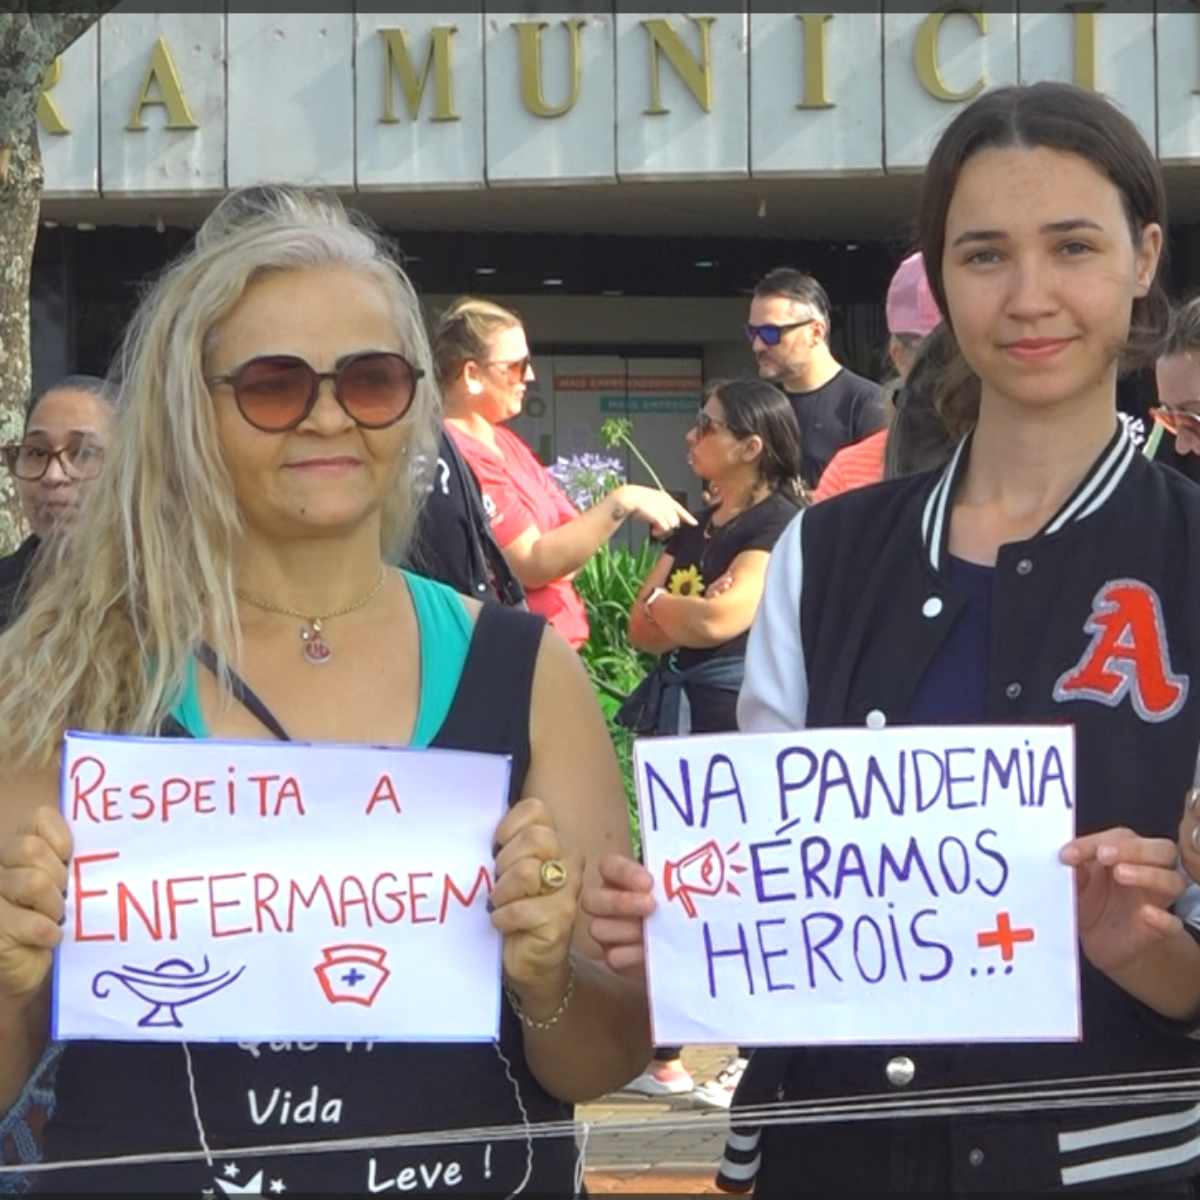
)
(535, 904)
(618, 909)
(1126, 885)
(33, 882)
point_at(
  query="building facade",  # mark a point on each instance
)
(620, 178)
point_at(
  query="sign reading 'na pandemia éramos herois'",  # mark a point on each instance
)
(258, 891)
(861, 886)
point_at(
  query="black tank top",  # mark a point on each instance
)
(118, 1098)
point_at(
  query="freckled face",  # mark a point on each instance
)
(1041, 271)
(327, 474)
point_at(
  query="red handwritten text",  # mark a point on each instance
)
(240, 903)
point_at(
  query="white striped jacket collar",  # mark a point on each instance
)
(1093, 491)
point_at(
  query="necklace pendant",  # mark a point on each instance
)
(316, 649)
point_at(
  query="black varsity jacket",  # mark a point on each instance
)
(1095, 621)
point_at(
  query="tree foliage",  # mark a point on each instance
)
(31, 38)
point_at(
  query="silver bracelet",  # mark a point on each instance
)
(556, 1015)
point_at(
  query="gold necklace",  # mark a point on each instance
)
(316, 649)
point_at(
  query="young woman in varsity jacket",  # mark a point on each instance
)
(1043, 575)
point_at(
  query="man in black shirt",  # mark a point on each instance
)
(788, 331)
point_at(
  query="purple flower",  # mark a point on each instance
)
(587, 478)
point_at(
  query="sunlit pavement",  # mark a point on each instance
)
(652, 1161)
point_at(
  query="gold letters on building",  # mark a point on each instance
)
(48, 114)
(529, 40)
(399, 62)
(163, 73)
(815, 95)
(696, 74)
(928, 64)
(665, 42)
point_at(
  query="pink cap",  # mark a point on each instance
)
(911, 307)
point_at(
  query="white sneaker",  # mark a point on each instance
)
(659, 1079)
(718, 1093)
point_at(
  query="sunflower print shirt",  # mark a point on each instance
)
(702, 553)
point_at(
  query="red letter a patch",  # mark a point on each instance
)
(1128, 655)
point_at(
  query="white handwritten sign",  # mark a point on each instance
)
(861, 886)
(261, 891)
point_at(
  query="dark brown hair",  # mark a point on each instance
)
(755, 407)
(799, 288)
(1057, 116)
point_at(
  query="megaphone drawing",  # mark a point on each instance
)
(700, 873)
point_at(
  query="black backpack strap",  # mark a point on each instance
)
(491, 707)
(242, 692)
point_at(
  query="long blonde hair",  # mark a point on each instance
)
(120, 602)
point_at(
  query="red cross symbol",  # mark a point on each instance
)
(1004, 936)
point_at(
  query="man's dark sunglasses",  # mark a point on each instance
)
(276, 392)
(770, 335)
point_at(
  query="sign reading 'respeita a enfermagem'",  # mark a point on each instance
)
(255, 891)
(828, 886)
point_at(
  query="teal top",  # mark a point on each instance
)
(445, 637)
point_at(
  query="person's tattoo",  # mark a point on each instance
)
(619, 512)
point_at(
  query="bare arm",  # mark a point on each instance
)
(540, 558)
(34, 848)
(602, 1038)
(644, 631)
(698, 622)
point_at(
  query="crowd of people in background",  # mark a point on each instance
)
(325, 460)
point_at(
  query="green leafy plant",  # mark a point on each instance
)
(609, 583)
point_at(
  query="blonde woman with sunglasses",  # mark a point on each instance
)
(231, 582)
(484, 366)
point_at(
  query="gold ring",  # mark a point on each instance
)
(1193, 799)
(552, 874)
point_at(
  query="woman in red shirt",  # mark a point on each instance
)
(484, 367)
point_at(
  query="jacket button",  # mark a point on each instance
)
(975, 1157)
(900, 1071)
(1024, 566)
(876, 719)
(932, 607)
(1013, 691)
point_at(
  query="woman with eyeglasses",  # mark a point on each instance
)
(484, 367)
(232, 583)
(695, 608)
(60, 453)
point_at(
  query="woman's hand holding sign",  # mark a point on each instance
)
(33, 882)
(1126, 885)
(535, 904)
(618, 909)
